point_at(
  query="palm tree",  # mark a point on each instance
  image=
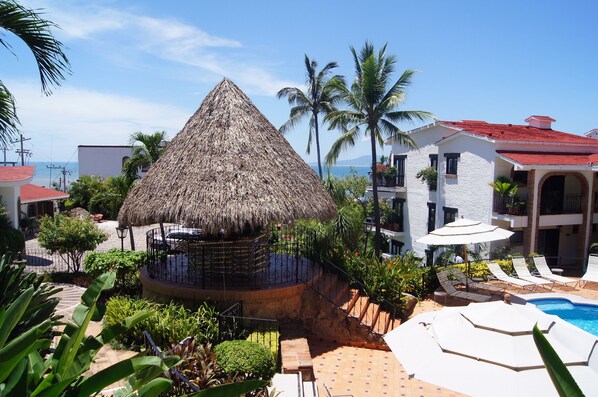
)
(319, 98)
(144, 155)
(112, 196)
(371, 106)
(36, 33)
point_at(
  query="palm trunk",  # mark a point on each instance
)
(377, 242)
(318, 145)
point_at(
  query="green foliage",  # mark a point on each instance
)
(70, 237)
(594, 248)
(428, 175)
(126, 264)
(173, 324)
(41, 305)
(5, 222)
(147, 148)
(320, 99)
(559, 374)
(11, 241)
(36, 33)
(82, 190)
(29, 372)
(111, 197)
(245, 357)
(480, 269)
(387, 280)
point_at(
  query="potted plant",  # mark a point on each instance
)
(506, 190)
(387, 174)
(428, 175)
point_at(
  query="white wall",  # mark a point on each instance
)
(104, 161)
(10, 196)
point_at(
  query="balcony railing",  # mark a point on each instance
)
(554, 204)
(516, 205)
(391, 181)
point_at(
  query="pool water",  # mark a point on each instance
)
(580, 315)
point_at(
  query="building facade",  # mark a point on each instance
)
(553, 210)
(102, 160)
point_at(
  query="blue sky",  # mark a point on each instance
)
(147, 65)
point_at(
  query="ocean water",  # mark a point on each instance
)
(45, 176)
(341, 171)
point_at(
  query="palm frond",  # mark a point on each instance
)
(298, 113)
(345, 141)
(8, 115)
(36, 33)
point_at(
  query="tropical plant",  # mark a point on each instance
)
(82, 190)
(109, 199)
(559, 374)
(69, 237)
(14, 281)
(319, 99)
(372, 106)
(27, 371)
(147, 148)
(428, 175)
(52, 63)
(126, 264)
(174, 323)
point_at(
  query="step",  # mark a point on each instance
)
(353, 297)
(359, 309)
(342, 294)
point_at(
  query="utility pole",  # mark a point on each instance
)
(64, 172)
(5, 149)
(22, 152)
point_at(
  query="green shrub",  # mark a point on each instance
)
(171, 323)
(245, 357)
(480, 269)
(11, 241)
(126, 264)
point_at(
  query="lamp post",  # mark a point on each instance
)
(368, 228)
(121, 232)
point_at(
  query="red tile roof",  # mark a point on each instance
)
(547, 158)
(16, 174)
(31, 193)
(524, 133)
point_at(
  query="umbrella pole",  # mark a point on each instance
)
(466, 268)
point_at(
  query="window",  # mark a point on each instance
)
(450, 214)
(429, 257)
(431, 217)
(399, 163)
(434, 161)
(452, 160)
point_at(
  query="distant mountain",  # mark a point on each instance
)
(363, 161)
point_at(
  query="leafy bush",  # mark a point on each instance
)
(70, 237)
(245, 357)
(126, 264)
(173, 324)
(480, 269)
(11, 241)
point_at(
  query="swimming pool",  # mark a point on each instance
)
(581, 315)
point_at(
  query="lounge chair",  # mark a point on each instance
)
(443, 278)
(545, 272)
(497, 271)
(463, 279)
(591, 274)
(524, 274)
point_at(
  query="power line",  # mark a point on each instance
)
(64, 172)
(22, 152)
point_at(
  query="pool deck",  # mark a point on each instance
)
(353, 370)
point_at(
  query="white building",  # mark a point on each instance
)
(556, 212)
(102, 160)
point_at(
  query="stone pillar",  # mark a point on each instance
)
(530, 232)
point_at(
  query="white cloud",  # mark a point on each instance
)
(167, 39)
(74, 117)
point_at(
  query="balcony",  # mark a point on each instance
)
(554, 203)
(512, 205)
(391, 181)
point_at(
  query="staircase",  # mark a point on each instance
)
(373, 319)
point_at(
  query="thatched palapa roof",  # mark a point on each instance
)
(229, 168)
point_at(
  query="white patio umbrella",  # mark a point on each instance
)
(463, 232)
(487, 349)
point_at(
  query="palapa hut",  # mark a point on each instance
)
(230, 173)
